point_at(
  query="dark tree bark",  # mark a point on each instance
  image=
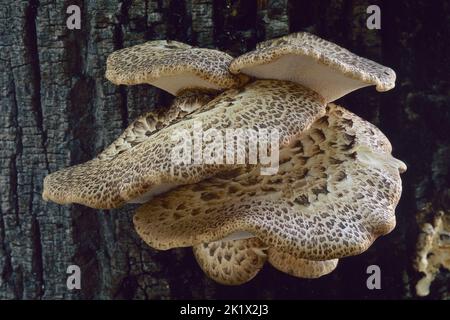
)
(57, 109)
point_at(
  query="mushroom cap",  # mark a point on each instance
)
(320, 65)
(235, 262)
(231, 262)
(172, 66)
(135, 172)
(188, 101)
(335, 192)
(298, 267)
(94, 183)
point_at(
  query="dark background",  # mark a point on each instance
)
(57, 109)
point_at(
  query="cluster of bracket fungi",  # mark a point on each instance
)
(336, 188)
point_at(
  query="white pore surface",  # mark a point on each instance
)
(329, 83)
(238, 235)
(146, 197)
(174, 84)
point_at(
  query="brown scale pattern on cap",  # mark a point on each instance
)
(118, 177)
(231, 262)
(141, 129)
(153, 60)
(234, 262)
(335, 192)
(298, 267)
(324, 52)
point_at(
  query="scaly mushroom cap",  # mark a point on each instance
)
(172, 66)
(234, 262)
(139, 164)
(335, 192)
(300, 268)
(231, 262)
(320, 65)
(94, 183)
(188, 101)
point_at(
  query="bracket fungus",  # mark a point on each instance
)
(172, 66)
(335, 192)
(234, 262)
(320, 65)
(135, 172)
(231, 262)
(337, 184)
(298, 267)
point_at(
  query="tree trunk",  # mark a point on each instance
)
(57, 109)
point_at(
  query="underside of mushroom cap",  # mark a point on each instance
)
(129, 172)
(335, 192)
(231, 262)
(320, 65)
(172, 66)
